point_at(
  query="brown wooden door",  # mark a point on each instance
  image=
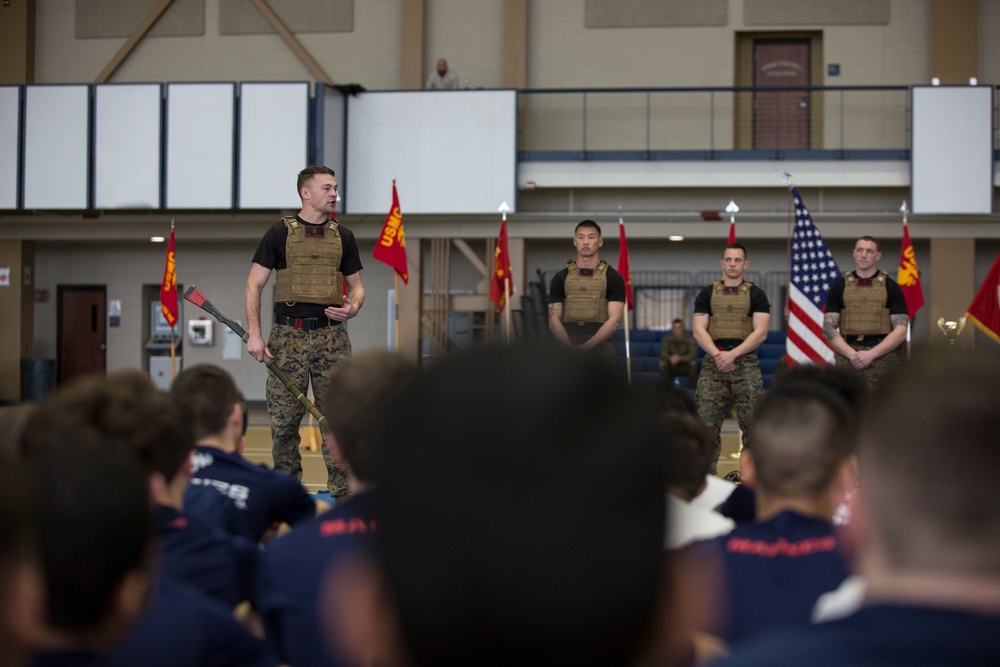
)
(82, 331)
(781, 118)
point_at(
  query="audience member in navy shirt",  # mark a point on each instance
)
(91, 511)
(181, 627)
(292, 569)
(925, 527)
(774, 569)
(147, 424)
(209, 397)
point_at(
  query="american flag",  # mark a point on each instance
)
(813, 272)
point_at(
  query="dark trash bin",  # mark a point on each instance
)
(38, 378)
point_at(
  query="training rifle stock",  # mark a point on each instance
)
(198, 298)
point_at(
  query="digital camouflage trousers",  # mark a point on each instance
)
(305, 356)
(742, 388)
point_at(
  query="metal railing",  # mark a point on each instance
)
(708, 122)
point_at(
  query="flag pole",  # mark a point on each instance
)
(909, 321)
(506, 287)
(173, 327)
(395, 308)
(786, 178)
(628, 350)
(506, 303)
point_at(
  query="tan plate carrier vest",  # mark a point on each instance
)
(313, 263)
(865, 309)
(586, 296)
(729, 312)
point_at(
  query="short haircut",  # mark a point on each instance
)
(587, 223)
(205, 394)
(847, 383)
(307, 174)
(678, 320)
(735, 246)
(802, 433)
(929, 464)
(870, 239)
(120, 414)
(522, 511)
(91, 509)
(359, 391)
(690, 450)
(666, 397)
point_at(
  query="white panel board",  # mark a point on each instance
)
(56, 153)
(450, 151)
(201, 138)
(952, 149)
(274, 125)
(127, 145)
(10, 139)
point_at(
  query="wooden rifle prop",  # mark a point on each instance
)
(195, 296)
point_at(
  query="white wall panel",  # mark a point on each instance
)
(56, 150)
(127, 145)
(10, 139)
(274, 124)
(450, 151)
(952, 149)
(200, 145)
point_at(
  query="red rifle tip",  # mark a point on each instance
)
(194, 295)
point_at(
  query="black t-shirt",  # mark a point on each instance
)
(271, 255)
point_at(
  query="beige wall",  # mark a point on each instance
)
(561, 51)
(369, 55)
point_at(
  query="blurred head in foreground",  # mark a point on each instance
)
(521, 513)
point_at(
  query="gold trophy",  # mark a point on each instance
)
(951, 329)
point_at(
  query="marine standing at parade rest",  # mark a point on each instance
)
(587, 298)
(869, 309)
(314, 257)
(730, 321)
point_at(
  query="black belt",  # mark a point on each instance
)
(865, 341)
(304, 323)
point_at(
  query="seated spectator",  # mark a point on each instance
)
(691, 452)
(925, 530)
(848, 385)
(215, 407)
(95, 541)
(137, 418)
(533, 538)
(679, 355)
(442, 78)
(294, 564)
(137, 425)
(774, 569)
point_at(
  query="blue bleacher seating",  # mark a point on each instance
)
(644, 352)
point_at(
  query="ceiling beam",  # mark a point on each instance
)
(133, 41)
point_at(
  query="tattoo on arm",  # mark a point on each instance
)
(899, 320)
(830, 323)
(555, 310)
